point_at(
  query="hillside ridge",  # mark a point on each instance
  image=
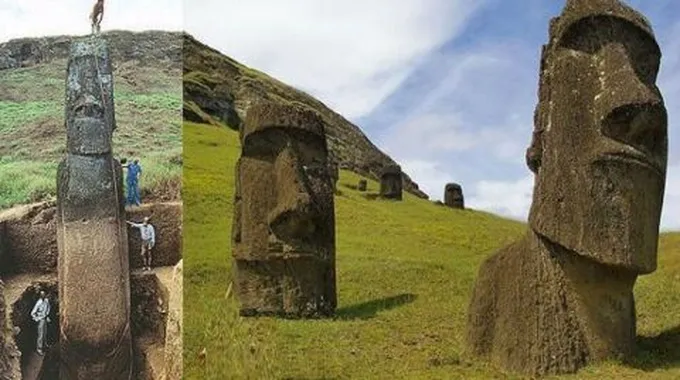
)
(145, 47)
(219, 89)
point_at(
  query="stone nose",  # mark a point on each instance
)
(630, 108)
(294, 214)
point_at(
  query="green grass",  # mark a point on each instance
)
(25, 180)
(148, 105)
(405, 273)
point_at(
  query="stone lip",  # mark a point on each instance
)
(224, 91)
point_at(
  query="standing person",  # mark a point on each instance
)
(148, 240)
(96, 16)
(134, 172)
(40, 314)
(132, 181)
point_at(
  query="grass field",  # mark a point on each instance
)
(33, 135)
(405, 273)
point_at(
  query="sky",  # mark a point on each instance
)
(38, 18)
(447, 88)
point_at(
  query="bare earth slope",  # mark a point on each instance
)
(219, 90)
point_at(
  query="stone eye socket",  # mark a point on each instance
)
(592, 34)
(89, 110)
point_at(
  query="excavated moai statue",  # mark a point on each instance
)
(363, 185)
(94, 290)
(390, 182)
(453, 196)
(563, 295)
(284, 219)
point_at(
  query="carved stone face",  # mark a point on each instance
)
(390, 182)
(286, 193)
(600, 153)
(90, 111)
(453, 195)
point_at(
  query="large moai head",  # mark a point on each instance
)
(599, 148)
(284, 227)
(90, 115)
(391, 183)
(453, 196)
(284, 171)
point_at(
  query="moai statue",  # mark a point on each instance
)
(453, 196)
(562, 296)
(390, 182)
(335, 173)
(94, 289)
(363, 185)
(284, 219)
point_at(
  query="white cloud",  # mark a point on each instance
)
(347, 54)
(431, 134)
(507, 198)
(670, 215)
(37, 18)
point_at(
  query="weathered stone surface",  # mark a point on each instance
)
(563, 296)
(453, 196)
(174, 327)
(362, 185)
(391, 182)
(284, 219)
(212, 99)
(10, 366)
(95, 339)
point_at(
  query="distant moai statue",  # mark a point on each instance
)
(94, 289)
(334, 171)
(562, 297)
(284, 217)
(363, 185)
(453, 196)
(391, 182)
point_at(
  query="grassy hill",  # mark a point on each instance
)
(405, 273)
(219, 90)
(148, 98)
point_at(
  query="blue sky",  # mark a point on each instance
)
(465, 112)
(447, 88)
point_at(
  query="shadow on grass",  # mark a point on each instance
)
(658, 352)
(369, 309)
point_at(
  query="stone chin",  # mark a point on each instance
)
(608, 211)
